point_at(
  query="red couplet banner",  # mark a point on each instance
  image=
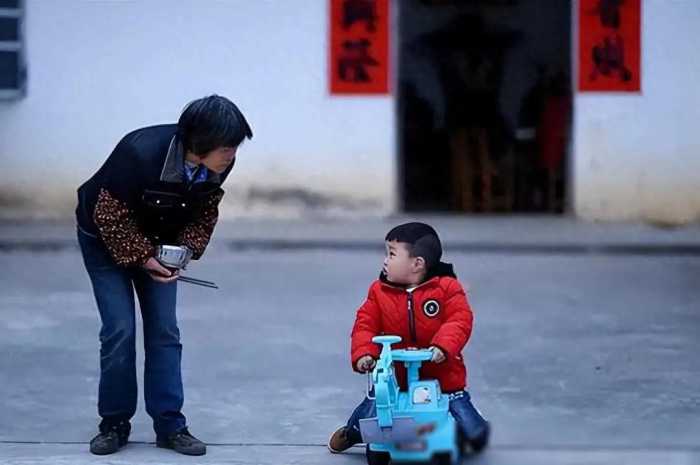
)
(359, 46)
(609, 45)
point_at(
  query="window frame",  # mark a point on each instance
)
(18, 47)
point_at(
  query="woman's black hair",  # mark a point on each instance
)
(212, 122)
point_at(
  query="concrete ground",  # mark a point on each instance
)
(585, 347)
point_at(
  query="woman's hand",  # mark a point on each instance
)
(158, 272)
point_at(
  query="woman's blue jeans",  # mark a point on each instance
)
(114, 287)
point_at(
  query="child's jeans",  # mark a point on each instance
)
(469, 420)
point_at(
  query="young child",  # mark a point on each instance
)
(419, 298)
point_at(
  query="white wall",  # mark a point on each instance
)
(638, 156)
(100, 68)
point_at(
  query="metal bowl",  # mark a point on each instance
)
(173, 256)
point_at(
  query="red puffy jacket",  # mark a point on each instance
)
(436, 313)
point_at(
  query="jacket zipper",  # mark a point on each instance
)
(411, 317)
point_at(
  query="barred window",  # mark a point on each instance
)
(13, 71)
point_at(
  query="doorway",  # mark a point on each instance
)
(484, 105)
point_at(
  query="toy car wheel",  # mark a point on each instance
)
(377, 458)
(442, 459)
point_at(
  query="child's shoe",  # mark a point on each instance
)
(479, 442)
(341, 440)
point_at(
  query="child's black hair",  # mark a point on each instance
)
(420, 239)
(212, 122)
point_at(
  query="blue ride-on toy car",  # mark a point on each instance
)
(411, 426)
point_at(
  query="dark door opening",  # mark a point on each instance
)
(484, 104)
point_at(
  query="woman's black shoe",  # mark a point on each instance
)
(111, 439)
(183, 442)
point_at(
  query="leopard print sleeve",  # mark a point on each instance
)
(196, 234)
(119, 231)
